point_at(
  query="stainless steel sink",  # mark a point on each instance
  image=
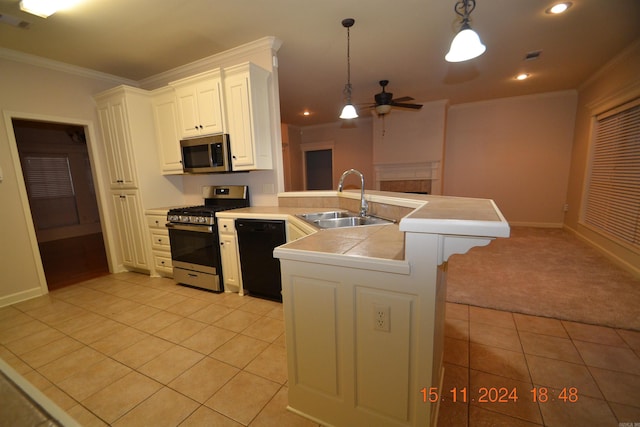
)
(327, 215)
(337, 219)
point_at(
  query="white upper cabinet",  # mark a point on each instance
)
(199, 101)
(165, 115)
(116, 134)
(246, 98)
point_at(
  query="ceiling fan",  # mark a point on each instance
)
(384, 101)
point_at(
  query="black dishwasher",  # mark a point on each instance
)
(260, 270)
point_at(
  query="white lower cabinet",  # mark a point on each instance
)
(131, 232)
(232, 278)
(160, 246)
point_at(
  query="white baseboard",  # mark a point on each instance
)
(635, 270)
(20, 296)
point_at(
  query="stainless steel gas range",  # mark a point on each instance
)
(193, 235)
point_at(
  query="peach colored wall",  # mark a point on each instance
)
(615, 83)
(410, 136)
(352, 147)
(515, 151)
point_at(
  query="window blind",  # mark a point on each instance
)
(613, 192)
(48, 177)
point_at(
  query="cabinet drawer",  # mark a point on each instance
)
(160, 240)
(162, 262)
(226, 225)
(156, 221)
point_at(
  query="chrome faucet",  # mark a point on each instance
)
(364, 206)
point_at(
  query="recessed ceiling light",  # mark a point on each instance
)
(306, 113)
(559, 8)
(523, 76)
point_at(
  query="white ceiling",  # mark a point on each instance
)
(403, 41)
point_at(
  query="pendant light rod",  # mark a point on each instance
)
(349, 111)
(466, 44)
(464, 8)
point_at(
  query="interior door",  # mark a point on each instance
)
(319, 169)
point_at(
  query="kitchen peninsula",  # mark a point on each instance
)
(364, 306)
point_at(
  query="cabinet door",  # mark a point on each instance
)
(229, 255)
(115, 133)
(130, 230)
(240, 126)
(210, 106)
(188, 111)
(248, 116)
(200, 104)
(165, 113)
(229, 259)
(106, 129)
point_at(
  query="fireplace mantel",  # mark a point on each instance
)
(405, 174)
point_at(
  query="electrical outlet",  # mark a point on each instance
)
(381, 318)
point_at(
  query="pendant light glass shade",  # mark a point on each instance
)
(349, 112)
(465, 45)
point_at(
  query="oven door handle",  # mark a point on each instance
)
(186, 227)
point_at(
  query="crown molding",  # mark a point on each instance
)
(39, 61)
(263, 44)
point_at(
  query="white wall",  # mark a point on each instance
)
(516, 151)
(32, 92)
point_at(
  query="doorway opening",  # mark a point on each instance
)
(318, 169)
(62, 199)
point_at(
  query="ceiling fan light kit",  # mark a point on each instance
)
(466, 44)
(349, 111)
(384, 101)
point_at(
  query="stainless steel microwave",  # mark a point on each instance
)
(206, 154)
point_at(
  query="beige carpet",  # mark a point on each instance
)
(546, 272)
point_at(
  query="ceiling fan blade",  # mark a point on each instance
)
(409, 106)
(403, 99)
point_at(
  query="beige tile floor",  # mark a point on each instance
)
(128, 349)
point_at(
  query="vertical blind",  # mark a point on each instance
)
(613, 192)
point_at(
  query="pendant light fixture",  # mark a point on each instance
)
(349, 111)
(466, 44)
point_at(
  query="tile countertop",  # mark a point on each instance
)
(431, 214)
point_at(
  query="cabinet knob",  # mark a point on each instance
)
(221, 243)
